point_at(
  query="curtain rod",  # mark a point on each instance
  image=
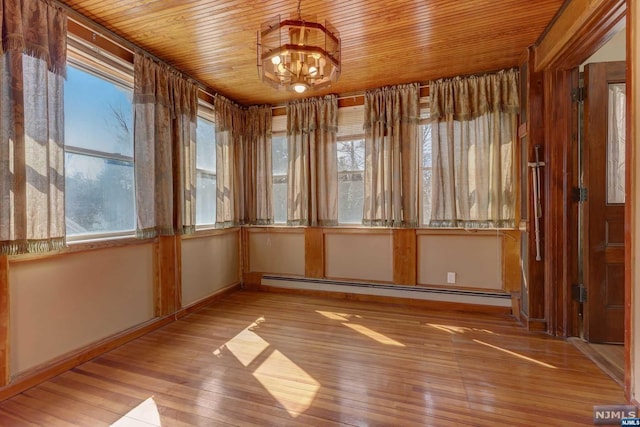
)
(123, 43)
(344, 96)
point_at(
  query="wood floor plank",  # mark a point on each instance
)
(256, 359)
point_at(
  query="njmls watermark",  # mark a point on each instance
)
(615, 415)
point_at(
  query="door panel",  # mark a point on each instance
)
(604, 208)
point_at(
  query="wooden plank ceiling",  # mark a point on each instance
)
(383, 42)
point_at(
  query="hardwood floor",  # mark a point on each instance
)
(277, 359)
(608, 357)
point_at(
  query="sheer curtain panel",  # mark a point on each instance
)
(474, 134)
(312, 172)
(229, 121)
(165, 108)
(257, 165)
(391, 117)
(32, 62)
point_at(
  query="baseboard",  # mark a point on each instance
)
(382, 293)
(39, 374)
(197, 305)
(534, 325)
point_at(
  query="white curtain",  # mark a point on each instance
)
(474, 136)
(616, 142)
(312, 171)
(32, 63)
(391, 148)
(229, 122)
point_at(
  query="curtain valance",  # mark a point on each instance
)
(466, 98)
(37, 28)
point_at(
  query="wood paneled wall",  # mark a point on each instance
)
(386, 256)
(63, 316)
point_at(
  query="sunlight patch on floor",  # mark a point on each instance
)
(335, 316)
(377, 336)
(383, 339)
(458, 329)
(144, 415)
(289, 384)
(513, 353)
(246, 346)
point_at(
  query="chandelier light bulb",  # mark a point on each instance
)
(276, 60)
(299, 87)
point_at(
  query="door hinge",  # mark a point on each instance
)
(579, 293)
(580, 194)
(578, 94)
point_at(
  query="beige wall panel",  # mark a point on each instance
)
(614, 50)
(63, 303)
(475, 259)
(276, 252)
(359, 257)
(208, 264)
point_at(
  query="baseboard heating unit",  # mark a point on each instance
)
(497, 299)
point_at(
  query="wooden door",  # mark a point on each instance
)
(603, 175)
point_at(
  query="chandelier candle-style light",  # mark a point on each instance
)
(298, 54)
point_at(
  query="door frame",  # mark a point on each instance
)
(579, 30)
(597, 78)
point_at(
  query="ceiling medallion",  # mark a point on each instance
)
(298, 54)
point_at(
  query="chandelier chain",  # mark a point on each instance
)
(299, 12)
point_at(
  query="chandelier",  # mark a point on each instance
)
(298, 54)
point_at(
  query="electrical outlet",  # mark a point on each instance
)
(451, 277)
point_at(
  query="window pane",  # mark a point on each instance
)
(279, 155)
(206, 199)
(616, 143)
(350, 197)
(98, 114)
(279, 166)
(279, 199)
(205, 145)
(426, 146)
(350, 181)
(351, 156)
(99, 195)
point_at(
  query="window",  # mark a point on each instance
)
(279, 166)
(426, 172)
(350, 181)
(205, 168)
(426, 160)
(351, 159)
(99, 177)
